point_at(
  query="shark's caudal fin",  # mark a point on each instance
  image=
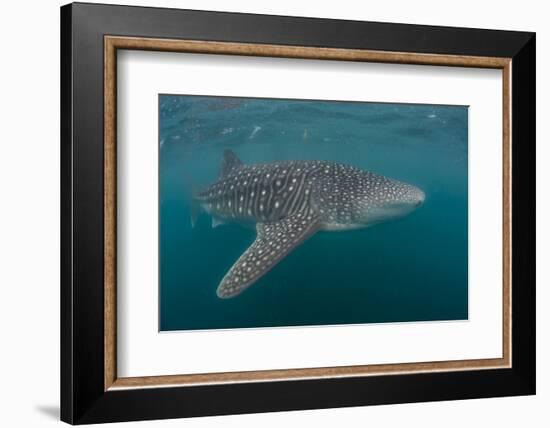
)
(274, 241)
(190, 192)
(229, 163)
(194, 212)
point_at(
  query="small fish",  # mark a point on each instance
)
(254, 132)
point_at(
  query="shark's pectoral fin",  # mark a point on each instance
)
(273, 242)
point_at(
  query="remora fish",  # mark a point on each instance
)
(290, 201)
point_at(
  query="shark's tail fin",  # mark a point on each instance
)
(195, 211)
(191, 193)
(229, 163)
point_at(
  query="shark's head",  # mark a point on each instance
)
(381, 199)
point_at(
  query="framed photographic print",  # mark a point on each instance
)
(264, 213)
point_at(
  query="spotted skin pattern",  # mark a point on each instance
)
(290, 201)
(273, 242)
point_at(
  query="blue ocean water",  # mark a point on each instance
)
(411, 269)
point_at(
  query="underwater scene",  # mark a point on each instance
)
(284, 212)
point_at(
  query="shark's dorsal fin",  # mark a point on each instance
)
(273, 242)
(229, 163)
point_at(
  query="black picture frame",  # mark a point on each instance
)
(83, 396)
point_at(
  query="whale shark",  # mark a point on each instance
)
(289, 201)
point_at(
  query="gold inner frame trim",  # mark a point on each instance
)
(113, 43)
